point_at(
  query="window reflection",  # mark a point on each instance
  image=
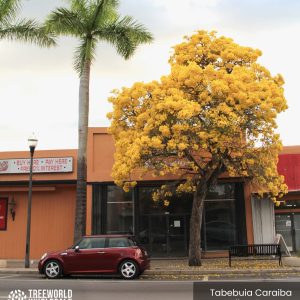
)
(220, 224)
(164, 229)
(119, 210)
(221, 191)
(179, 204)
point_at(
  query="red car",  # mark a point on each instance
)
(105, 254)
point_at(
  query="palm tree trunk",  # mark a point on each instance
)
(195, 225)
(80, 214)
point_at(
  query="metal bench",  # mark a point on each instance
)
(256, 251)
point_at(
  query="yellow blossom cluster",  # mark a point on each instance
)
(216, 111)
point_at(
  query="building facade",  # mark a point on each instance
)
(231, 214)
(53, 202)
(163, 230)
(287, 216)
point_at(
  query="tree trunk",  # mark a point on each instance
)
(207, 181)
(195, 226)
(80, 213)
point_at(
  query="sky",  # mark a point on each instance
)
(39, 87)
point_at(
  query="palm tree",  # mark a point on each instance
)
(92, 21)
(24, 30)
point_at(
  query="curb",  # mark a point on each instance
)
(177, 272)
(18, 271)
(217, 271)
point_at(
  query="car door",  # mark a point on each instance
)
(88, 258)
(116, 248)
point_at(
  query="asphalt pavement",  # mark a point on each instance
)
(13, 286)
(106, 289)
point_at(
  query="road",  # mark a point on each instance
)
(92, 289)
(108, 289)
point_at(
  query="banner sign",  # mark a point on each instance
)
(3, 214)
(246, 290)
(40, 165)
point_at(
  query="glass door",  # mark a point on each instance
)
(284, 227)
(177, 235)
(158, 235)
(296, 222)
(164, 234)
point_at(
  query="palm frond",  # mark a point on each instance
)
(126, 34)
(80, 7)
(66, 22)
(8, 10)
(27, 31)
(102, 11)
(84, 52)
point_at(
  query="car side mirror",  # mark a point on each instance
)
(77, 249)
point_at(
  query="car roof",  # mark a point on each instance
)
(108, 235)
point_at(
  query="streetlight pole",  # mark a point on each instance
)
(32, 142)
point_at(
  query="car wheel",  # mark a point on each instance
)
(129, 269)
(53, 269)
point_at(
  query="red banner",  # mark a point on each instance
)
(3, 214)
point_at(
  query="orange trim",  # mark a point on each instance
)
(25, 189)
(248, 208)
(290, 150)
(89, 201)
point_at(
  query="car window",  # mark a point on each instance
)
(118, 242)
(132, 241)
(90, 243)
(97, 242)
(85, 243)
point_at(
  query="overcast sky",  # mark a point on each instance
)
(39, 88)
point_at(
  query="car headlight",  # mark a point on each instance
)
(43, 256)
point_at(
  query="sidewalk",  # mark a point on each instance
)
(179, 269)
(215, 268)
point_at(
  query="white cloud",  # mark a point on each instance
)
(39, 88)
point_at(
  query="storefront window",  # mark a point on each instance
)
(119, 210)
(288, 225)
(221, 191)
(164, 229)
(219, 224)
(289, 204)
(297, 231)
(220, 211)
(159, 225)
(283, 224)
(178, 204)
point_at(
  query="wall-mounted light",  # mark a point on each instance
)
(12, 208)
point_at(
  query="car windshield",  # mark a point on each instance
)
(132, 241)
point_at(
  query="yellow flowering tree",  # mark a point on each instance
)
(214, 113)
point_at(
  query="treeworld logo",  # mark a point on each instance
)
(41, 294)
(17, 295)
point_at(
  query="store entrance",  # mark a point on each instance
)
(163, 226)
(165, 234)
(288, 225)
